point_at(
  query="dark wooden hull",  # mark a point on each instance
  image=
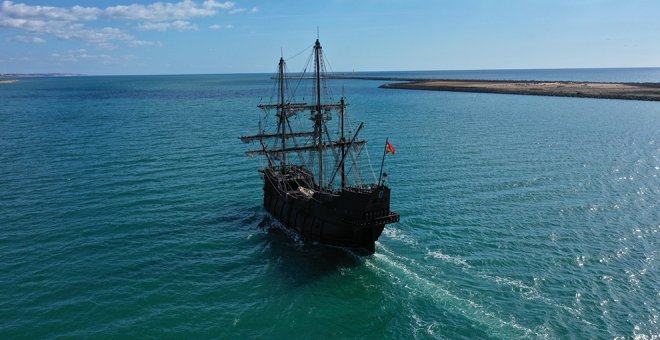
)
(353, 218)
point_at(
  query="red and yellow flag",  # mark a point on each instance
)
(389, 148)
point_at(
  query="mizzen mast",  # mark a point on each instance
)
(342, 140)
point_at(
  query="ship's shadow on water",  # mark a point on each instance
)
(302, 261)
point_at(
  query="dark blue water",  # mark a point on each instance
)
(127, 208)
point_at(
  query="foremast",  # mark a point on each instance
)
(283, 110)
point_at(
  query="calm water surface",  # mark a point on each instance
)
(127, 208)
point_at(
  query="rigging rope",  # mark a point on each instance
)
(299, 53)
(373, 174)
(290, 91)
(302, 76)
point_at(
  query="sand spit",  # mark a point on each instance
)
(629, 91)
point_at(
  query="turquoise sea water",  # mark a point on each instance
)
(127, 208)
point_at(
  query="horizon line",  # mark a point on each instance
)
(71, 74)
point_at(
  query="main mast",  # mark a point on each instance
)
(318, 122)
(282, 113)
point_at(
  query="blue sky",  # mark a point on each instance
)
(213, 36)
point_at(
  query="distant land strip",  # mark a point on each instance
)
(37, 75)
(603, 90)
(628, 91)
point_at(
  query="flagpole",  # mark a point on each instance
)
(382, 163)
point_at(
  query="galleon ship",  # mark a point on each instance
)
(313, 178)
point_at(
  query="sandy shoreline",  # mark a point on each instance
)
(628, 91)
(8, 81)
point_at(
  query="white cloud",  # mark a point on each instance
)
(217, 27)
(157, 11)
(75, 13)
(26, 39)
(66, 30)
(62, 23)
(15, 59)
(102, 35)
(180, 25)
(68, 22)
(83, 55)
(215, 4)
(138, 43)
(160, 11)
(80, 54)
(241, 10)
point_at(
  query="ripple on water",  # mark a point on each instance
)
(128, 207)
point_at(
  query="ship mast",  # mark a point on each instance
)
(343, 149)
(317, 144)
(318, 118)
(282, 113)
